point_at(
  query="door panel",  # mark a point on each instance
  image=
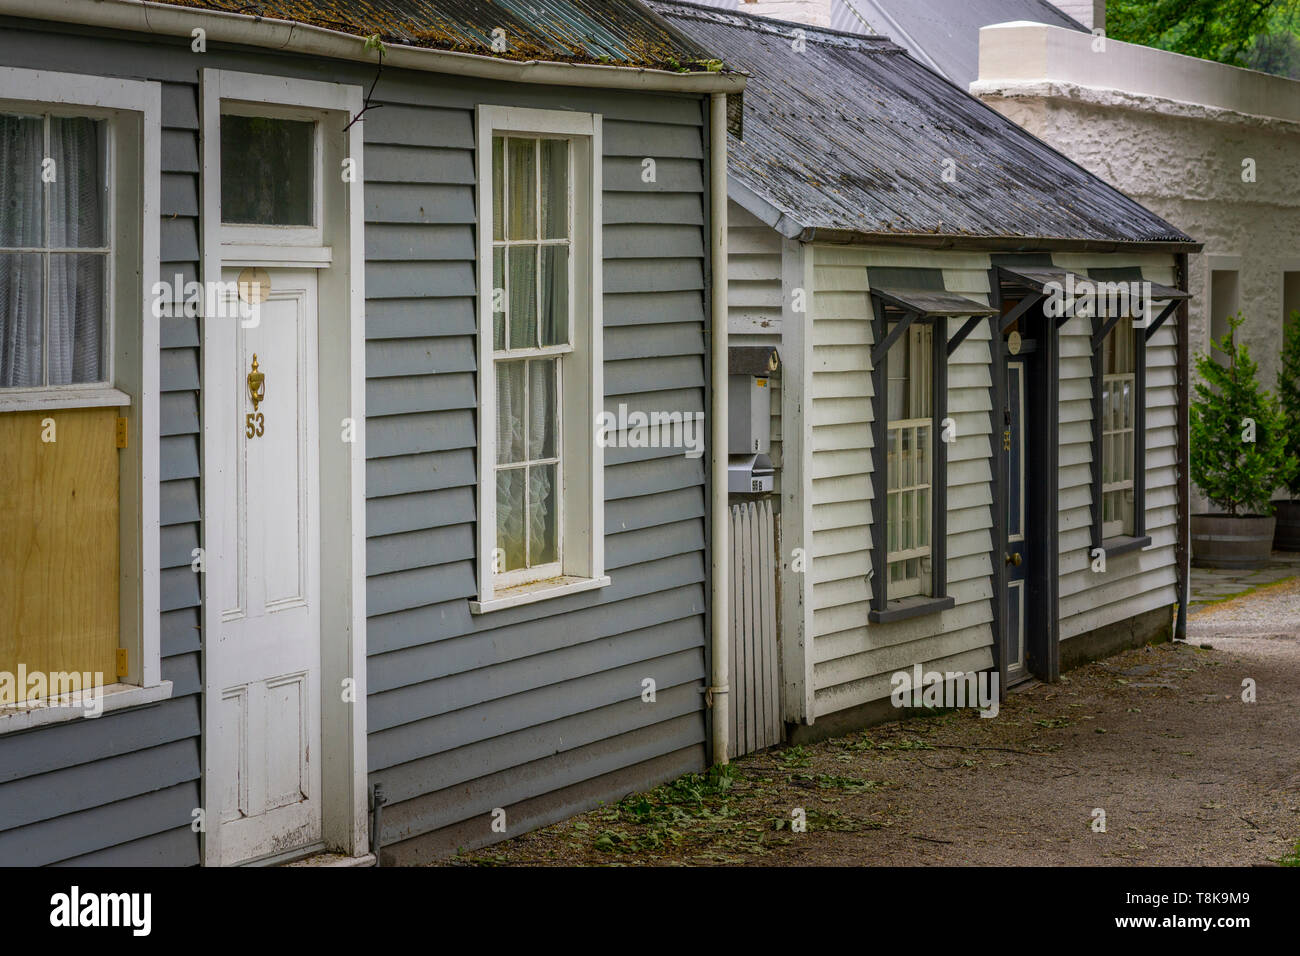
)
(266, 660)
(1015, 447)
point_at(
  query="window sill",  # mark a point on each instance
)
(1123, 544)
(541, 591)
(67, 707)
(61, 396)
(273, 254)
(904, 608)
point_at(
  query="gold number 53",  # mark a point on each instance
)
(254, 425)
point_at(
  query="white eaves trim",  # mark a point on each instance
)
(289, 36)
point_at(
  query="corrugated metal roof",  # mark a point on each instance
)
(611, 32)
(850, 137)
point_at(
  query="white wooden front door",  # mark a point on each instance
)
(265, 663)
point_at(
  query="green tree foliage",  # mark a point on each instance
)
(1239, 32)
(1288, 394)
(1230, 408)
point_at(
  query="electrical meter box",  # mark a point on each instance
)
(749, 405)
(749, 429)
(749, 399)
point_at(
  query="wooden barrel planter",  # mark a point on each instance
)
(1221, 541)
(1287, 536)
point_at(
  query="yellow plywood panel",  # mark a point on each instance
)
(59, 528)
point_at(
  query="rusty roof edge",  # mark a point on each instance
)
(762, 208)
(144, 16)
(993, 243)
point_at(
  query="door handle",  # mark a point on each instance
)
(1014, 559)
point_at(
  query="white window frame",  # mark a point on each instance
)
(1110, 381)
(134, 385)
(80, 394)
(580, 383)
(295, 237)
(920, 387)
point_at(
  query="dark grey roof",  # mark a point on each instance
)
(945, 34)
(848, 139)
(613, 32)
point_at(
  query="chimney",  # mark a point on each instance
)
(1091, 13)
(815, 13)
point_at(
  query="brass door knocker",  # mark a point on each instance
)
(254, 422)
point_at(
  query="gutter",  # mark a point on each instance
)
(283, 35)
(994, 243)
(720, 536)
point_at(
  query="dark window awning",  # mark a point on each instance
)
(1165, 293)
(1036, 278)
(1170, 296)
(909, 305)
(931, 303)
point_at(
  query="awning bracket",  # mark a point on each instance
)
(960, 336)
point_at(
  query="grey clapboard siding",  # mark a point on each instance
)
(534, 709)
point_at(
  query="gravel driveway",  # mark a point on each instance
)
(1158, 738)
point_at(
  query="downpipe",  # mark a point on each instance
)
(377, 801)
(718, 691)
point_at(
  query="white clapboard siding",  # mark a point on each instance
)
(1141, 581)
(755, 696)
(754, 301)
(853, 661)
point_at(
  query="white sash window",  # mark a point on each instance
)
(910, 436)
(1118, 429)
(541, 485)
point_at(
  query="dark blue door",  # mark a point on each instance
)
(1015, 447)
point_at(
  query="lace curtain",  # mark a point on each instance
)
(526, 433)
(52, 303)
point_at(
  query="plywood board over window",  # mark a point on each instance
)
(59, 604)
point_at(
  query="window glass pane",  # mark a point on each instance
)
(266, 171)
(923, 518)
(498, 187)
(905, 456)
(892, 453)
(922, 456)
(897, 386)
(510, 518)
(892, 521)
(523, 188)
(542, 412)
(555, 295)
(908, 502)
(499, 315)
(76, 318)
(22, 311)
(542, 505)
(22, 194)
(523, 297)
(511, 401)
(77, 196)
(555, 189)
(921, 372)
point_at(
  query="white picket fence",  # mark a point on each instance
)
(755, 668)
